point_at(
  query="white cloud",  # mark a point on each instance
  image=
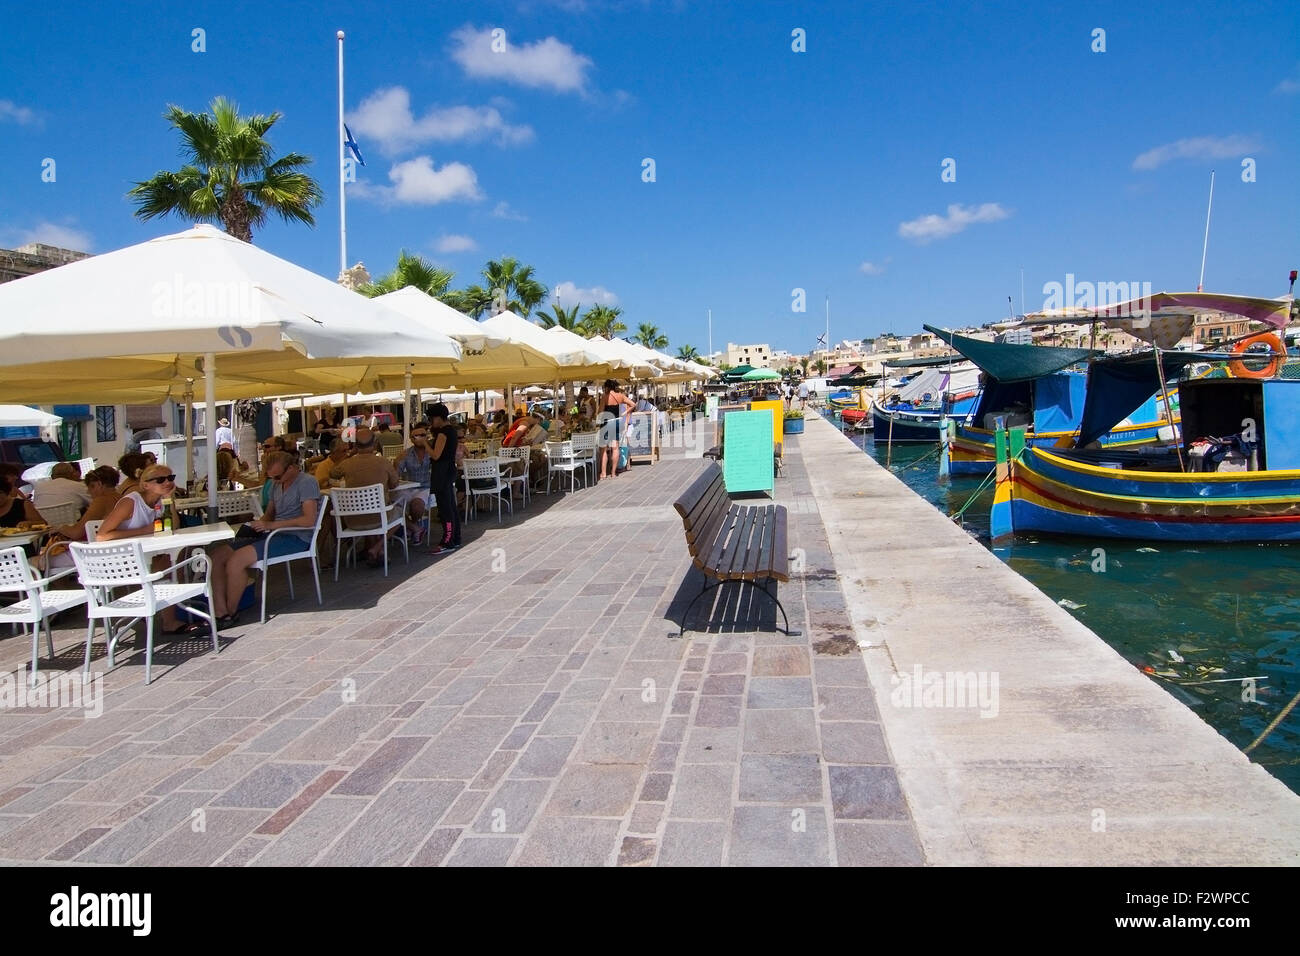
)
(569, 295)
(22, 115)
(418, 182)
(1291, 84)
(448, 244)
(1199, 147)
(872, 268)
(502, 210)
(385, 117)
(926, 228)
(548, 64)
(49, 233)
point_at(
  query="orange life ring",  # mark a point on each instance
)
(1277, 349)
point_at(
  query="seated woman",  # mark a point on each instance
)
(130, 465)
(15, 507)
(102, 487)
(132, 517)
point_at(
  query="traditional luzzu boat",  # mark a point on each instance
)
(1234, 476)
(1033, 386)
(923, 404)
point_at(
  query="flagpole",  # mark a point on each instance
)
(343, 201)
(1206, 244)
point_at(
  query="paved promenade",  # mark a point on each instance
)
(519, 701)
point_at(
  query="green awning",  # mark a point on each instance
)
(1014, 363)
(761, 375)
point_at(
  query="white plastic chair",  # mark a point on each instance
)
(38, 604)
(487, 472)
(92, 530)
(230, 504)
(584, 449)
(560, 457)
(367, 501)
(58, 515)
(265, 564)
(525, 455)
(103, 567)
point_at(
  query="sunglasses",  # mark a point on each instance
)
(162, 479)
(420, 435)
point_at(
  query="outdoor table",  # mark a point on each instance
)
(22, 539)
(162, 542)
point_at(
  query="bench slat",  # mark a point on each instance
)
(716, 553)
(762, 565)
(712, 527)
(697, 491)
(704, 510)
(732, 566)
(780, 549)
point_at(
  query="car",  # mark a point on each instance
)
(34, 455)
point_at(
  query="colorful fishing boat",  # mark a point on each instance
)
(923, 403)
(1034, 387)
(1234, 476)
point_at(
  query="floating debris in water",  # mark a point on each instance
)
(1176, 657)
(1070, 605)
(1147, 551)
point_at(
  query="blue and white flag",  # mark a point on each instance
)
(351, 144)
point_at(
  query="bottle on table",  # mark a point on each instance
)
(167, 514)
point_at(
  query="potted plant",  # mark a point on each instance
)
(793, 424)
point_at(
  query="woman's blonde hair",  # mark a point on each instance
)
(153, 470)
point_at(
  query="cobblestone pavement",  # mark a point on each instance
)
(517, 702)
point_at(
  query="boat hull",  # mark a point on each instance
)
(972, 452)
(907, 427)
(1047, 493)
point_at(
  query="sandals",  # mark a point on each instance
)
(194, 627)
(228, 620)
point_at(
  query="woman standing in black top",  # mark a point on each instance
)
(442, 478)
(611, 432)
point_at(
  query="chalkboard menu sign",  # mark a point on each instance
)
(642, 437)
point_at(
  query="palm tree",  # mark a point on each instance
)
(804, 363)
(649, 336)
(564, 318)
(413, 271)
(229, 175)
(820, 365)
(603, 320)
(687, 353)
(510, 286)
(473, 301)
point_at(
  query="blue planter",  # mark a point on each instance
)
(793, 426)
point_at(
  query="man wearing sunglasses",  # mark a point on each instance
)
(417, 466)
(295, 499)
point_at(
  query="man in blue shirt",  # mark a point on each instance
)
(417, 466)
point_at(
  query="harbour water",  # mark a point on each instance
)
(1216, 626)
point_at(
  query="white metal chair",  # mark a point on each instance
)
(230, 504)
(266, 564)
(103, 567)
(482, 476)
(525, 455)
(38, 604)
(57, 515)
(92, 530)
(584, 449)
(560, 458)
(368, 501)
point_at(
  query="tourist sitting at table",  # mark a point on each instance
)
(476, 428)
(15, 507)
(327, 467)
(63, 487)
(295, 498)
(101, 486)
(367, 467)
(417, 466)
(132, 516)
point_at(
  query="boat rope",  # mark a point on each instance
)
(971, 500)
(921, 460)
(1273, 726)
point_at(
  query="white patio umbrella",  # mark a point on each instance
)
(139, 321)
(21, 416)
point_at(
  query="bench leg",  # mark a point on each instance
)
(753, 584)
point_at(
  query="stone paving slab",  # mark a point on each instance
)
(520, 701)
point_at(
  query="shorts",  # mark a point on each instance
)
(281, 545)
(611, 431)
(420, 496)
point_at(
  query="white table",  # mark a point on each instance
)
(21, 540)
(161, 542)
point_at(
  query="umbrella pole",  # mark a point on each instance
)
(189, 434)
(210, 447)
(406, 412)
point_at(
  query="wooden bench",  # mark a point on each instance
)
(730, 541)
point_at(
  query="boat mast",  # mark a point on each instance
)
(1206, 244)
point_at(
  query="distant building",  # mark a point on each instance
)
(32, 258)
(1219, 327)
(758, 356)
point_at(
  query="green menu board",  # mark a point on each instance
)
(747, 451)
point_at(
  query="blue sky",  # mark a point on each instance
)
(774, 170)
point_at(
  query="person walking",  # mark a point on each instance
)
(442, 478)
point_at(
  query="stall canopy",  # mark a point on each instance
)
(1013, 363)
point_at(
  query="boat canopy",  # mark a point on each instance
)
(930, 362)
(1013, 363)
(1118, 385)
(1165, 318)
